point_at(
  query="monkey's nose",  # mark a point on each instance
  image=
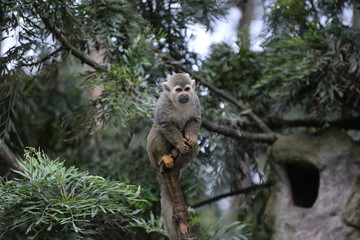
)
(183, 98)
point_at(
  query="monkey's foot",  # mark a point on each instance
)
(167, 160)
(175, 153)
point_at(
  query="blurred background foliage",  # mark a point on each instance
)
(82, 78)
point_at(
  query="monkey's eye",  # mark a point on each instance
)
(178, 90)
(187, 89)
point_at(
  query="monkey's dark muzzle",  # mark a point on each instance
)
(183, 98)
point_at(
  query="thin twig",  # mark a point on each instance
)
(43, 59)
(233, 193)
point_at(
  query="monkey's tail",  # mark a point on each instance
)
(167, 210)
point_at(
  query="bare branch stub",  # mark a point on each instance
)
(172, 183)
(8, 158)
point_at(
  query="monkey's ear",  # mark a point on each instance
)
(193, 84)
(166, 86)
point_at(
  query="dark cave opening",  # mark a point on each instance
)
(304, 181)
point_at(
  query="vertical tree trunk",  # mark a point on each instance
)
(241, 180)
(2, 16)
(247, 8)
(356, 15)
(172, 184)
(0, 38)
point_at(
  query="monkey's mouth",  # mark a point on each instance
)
(184, 98)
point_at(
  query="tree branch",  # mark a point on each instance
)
(260, 123)
(348, 123)
(172, 183)
(67, 45)
(230, 132)
(233, 193)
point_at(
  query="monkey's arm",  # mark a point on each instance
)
(174, 136)
(170, 131)
(193, 125)
(191, 131)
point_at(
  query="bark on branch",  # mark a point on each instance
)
(230, 132)
(233, 193)
(172, 183)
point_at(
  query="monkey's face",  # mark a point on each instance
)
(179, 94)
(182, 94)
(180, 89)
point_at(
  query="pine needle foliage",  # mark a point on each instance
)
(54, 202)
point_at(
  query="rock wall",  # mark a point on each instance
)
(316, 192)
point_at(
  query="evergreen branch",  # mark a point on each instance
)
(67, 45)
(232, 193)
(230, 132)
(259, 122)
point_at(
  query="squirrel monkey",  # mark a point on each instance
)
(177, 122)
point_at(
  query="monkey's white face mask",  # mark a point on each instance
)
(179, 95)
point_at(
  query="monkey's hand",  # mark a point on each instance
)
(183, 146)
(191, 139)
(175, 153)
